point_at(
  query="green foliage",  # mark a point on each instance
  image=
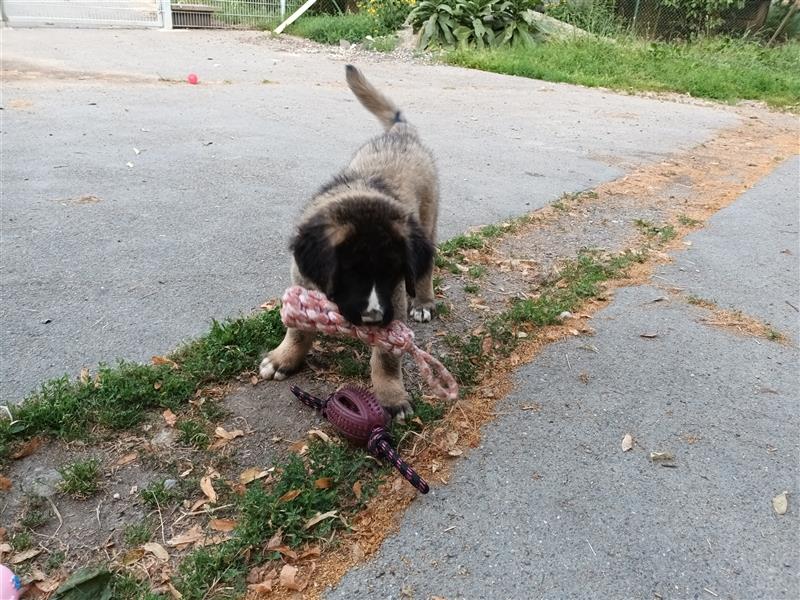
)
(701, 16)
(193, 433)
(718, 68)
(474, 23)
(80, 478)
(136, 534)
(329, 29)
(594, 16)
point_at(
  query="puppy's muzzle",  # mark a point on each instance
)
(374, 311)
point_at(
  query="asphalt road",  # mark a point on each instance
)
(550, 507)
(135, 210)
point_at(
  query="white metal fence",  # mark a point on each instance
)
(87, 13)
(232, 14)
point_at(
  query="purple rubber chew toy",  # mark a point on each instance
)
(357, 415)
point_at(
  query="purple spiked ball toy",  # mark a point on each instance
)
(356, 414)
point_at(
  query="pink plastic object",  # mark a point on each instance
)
(10, 585)
(355, 413)
(192, 78)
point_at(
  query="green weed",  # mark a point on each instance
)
(476, 271)
(193, 433)
(687, 221)
(471, 288)
(136, 534)
(21, 541)
(81, 478)
(663, 232)
(715, 68)
(36, 512)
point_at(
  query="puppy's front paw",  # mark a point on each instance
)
(277, 367)
(422, 312)
(397, 404)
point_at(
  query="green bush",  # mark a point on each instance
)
(594, 16)
(701, 16)
(329, 29)
(469, 23)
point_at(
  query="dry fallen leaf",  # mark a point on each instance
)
(163, 360)
(323, 483)
(314, 520)
(195, 534)
(170, 418)
(47, 586)
(208, 489)
(5, 484)
(84, 377)
(661, 456)
(287, 577)
(157, 550)
(157, 385)
(313, 552)
(5, 548)
(320, 434)
(286, 551)
(275, 541)
(455, 452)
(357, 489)
(357, 552)
(27, 555)
(263, 588)
(289, 496)
(254, 379)
(222, 524)
(127, 459)
(223, 437)
(648, 335)
(781, 503)
(28, 448)
(250, 475)
(627, 442)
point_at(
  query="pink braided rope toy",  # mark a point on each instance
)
(310, 310)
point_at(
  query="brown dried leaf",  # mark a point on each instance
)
(195, 534)
(661, 456)
(486, 345)
(132, 556)
(289, 496)
(84, 377)
(780, 503)
(314, 520)
(286, 551)
(260, 589)
(251, 474)
(627, 442)
(455, 452)
(254, 379)
(170, 417)
(163, 360)
(320, 434)
(648, 335)
(5, 548)
(28, 448)
(127, 459)
(5, 484)
(27, 555)
(157, 385)
(357, 489)
(323, 483)
(300, 447)
(47, 586)
(357, 552)
(222, 524)
(208, 489)
(287, 578)
(157, 550)
(275, 541)
(313, 552)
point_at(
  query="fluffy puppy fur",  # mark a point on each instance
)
(366, 240)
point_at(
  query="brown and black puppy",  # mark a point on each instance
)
(366, 240)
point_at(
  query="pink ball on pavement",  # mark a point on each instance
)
(10, 585)
(192, 78)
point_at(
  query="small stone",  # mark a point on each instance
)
(565, 315)
(344, 44)
(116, 496)
(42, 482)
(169, 484)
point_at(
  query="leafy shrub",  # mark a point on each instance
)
(329, 29)
(481, 23)
(389, 15)
(594, 16)
(701, 16)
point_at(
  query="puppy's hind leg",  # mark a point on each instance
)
(288, 356)
(423, 305)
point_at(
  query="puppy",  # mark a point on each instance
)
(366, 240)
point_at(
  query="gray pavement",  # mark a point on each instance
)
(194, 226)
(550, 507)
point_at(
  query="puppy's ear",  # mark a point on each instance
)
(419, 255)
(314, 251)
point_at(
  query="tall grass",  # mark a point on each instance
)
(715, 68)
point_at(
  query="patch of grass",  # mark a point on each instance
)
(476, 271)
(443, 309)
(158, 495)
(54, 560)
(465, 359)
(81, 479)
(118, 396)
(715, 68)
(687, 221)
(773, 335)
(125, 586)
(193, 433)
(471, 288)
(454, 246)
(382, 43)
(579, 280)
(329, 29)
(664, 233)
(36, 512)
(21, 541)
(136, 534)
(349, 357)
(263, 512)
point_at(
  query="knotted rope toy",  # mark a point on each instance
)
(310, 310)
(357, 415)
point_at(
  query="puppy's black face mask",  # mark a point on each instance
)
(363, 270)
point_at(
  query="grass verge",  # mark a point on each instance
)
(118, 396)
(714, 68)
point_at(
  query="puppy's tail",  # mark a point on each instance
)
(375, 102)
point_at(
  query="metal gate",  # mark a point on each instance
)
(85, 13)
